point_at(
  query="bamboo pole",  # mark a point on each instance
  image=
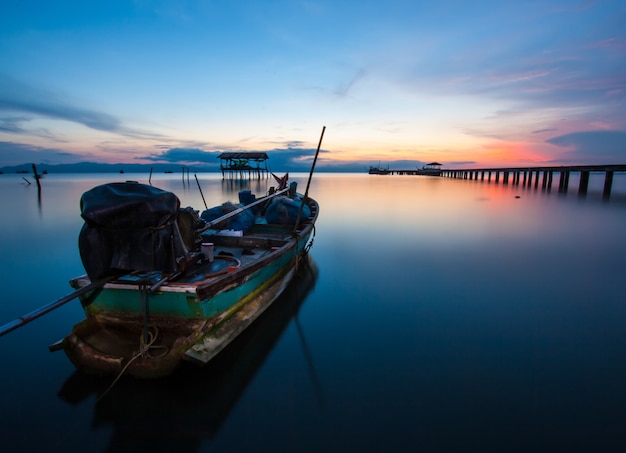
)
(200, 189)
(22, 320)
(306, 192)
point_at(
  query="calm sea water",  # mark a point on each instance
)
(435, 315)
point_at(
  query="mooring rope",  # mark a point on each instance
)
(144, 349)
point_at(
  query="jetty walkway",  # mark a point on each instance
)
(531, 176)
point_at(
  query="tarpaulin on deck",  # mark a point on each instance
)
(129, 227)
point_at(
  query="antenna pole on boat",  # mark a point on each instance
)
(200, 189)
(306, 192)
(22, 320)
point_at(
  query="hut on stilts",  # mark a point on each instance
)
(250, 164)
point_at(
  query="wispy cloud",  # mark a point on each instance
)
(18, 153)
(18, 97)
(288, 144)
(13, 125)
(613, 44)
(184, 155)
(593, 146)
(343, 90)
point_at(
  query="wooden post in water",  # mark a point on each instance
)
(608, 182)
(550, 175)
(36, 178)
(537, 179)
(563, 181)
(584, 183)
(505, 178)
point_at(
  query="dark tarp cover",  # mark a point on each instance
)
(242, 221)
(284, 211)
(129, 227)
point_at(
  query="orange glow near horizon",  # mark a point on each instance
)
(489, 155)
(502, 154)
(473, 153)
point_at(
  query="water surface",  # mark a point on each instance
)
(436, 314)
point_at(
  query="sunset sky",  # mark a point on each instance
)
(400, 83)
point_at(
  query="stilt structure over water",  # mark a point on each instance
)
(250, 164)
(530, 176)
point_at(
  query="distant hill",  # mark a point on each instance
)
(91, 167)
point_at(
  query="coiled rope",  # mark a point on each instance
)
(152, 334)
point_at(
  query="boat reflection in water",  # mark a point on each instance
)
(178, 412)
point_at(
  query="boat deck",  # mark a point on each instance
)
(230, 253)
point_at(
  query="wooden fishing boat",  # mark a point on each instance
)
(212, 390)
(179, 286)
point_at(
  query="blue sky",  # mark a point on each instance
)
(481, 83)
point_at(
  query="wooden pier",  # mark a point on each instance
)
(533, 176)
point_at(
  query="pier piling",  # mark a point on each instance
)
(584, 183)
(608, 183)
(545, 173)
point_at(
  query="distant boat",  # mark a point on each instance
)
(431, 169)
(178, 286)
(121, 171)
(168, 171)
(378, 170)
